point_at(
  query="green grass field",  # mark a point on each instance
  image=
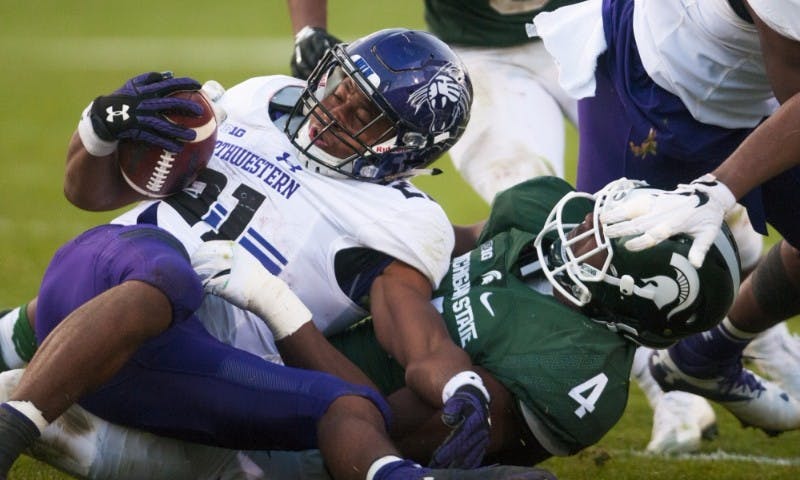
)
(58, 55)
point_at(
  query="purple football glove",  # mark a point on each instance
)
(467, 413)
(310, 44)
(135, 111)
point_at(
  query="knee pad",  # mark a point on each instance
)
(773, 288)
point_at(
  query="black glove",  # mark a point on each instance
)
(467, 413)
(135, 111)
(310, 44)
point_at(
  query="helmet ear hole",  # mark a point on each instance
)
(626, 285)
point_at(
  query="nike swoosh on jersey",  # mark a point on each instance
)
(485, 302)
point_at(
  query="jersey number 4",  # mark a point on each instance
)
(594, 387)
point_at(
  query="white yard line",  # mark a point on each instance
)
(719, 455)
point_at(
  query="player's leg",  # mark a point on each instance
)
(102, 295)
(680, 419)
(516, 129)
(776, 353)
(710, 364)
(86, 446)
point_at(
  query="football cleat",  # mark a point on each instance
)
(680, 421)
(495, 472)
(776, 353)
(753, 400)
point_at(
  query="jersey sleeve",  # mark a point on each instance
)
(524, 206)
(783, 16)
(417, 233)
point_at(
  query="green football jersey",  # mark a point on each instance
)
(569, 373)
(485, 23)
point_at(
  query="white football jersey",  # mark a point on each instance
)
(705, 54)
(256, 192)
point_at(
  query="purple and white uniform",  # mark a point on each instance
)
(677, 86)
(191, 385)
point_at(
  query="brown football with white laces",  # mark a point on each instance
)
(156, 172)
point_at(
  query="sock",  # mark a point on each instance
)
(393, 468)
(640, 371)
(703, 354)
(17, 339)
(17, 432)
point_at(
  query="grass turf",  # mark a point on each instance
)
(58, 55)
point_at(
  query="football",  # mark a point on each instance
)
(157, 172)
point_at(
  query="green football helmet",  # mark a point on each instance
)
(655, 296)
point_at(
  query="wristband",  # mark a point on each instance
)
(458, 380)
(93, 144)
(29, 411)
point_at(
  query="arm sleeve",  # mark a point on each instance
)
(420, 236)
(783, 16)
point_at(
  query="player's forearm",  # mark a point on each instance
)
(428, 371)
(308, 348)
(312, 13)
(94, 183)
(773, 147)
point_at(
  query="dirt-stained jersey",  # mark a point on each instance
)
(485, 23)
(256, 192)
(569, 374)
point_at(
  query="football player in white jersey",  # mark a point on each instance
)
(681, 89)
(307, 178)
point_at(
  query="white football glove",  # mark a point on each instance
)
(214, 91)
(231, 272)
(696, 209)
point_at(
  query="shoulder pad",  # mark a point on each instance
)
(282, 103)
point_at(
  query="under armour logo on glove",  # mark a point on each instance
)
(136, 111)
(117, 113)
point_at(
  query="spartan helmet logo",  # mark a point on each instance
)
(684, 288)
(444, 96)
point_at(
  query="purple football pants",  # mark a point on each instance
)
(185, 383)
(634, 128)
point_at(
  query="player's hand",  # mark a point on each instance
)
(467, 413)
(310, 44)
(135, 111)
(696, 209)
(229, 271)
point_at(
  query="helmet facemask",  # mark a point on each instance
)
(417, 98)
(653, 297)
(320, 132)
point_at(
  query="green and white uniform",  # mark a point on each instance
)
(485, 23)
(569, 373)
(516, 128)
